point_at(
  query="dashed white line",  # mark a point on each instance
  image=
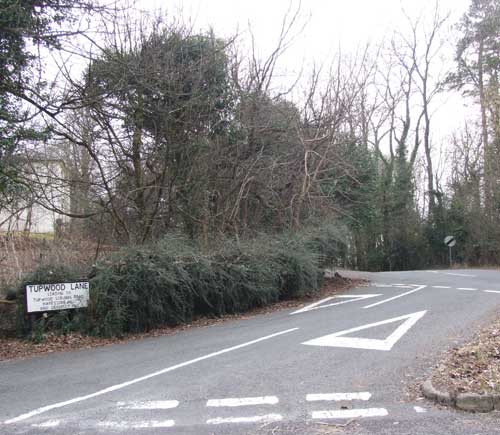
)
(123, 425)
(47, 408)
(338, 396)
(243, 401)
(47, 424)
(154, 404)
(467, 289)
(396, 297)
(451, 273)
(459, 274)
(349, 413)
(441, 286)
(267, 418)
(492, 291)
(419, 409)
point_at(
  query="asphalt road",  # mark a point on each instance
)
(346, 365)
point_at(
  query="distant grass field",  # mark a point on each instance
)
(35, 236)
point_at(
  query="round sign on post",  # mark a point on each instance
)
(450, 241)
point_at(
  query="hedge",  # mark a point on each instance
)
(173, 281)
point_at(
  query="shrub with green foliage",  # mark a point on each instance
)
(173, 281)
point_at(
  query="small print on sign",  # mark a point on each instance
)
(57, 296)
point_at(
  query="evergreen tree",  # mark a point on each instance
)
(25, 25)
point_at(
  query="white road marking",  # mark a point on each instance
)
(123, 425)
(492, 291)
(244, 401)
(441, 286)
(419, 409)
(338, 396)
(350, 413)
(154, 404)
(467, 288)
(450, 273)
(337, 339)
(268, 418)
(49, 423)
(459, 274)
(397, 297)
(47, 408)
(317, 305)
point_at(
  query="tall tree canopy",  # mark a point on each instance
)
(26, 25)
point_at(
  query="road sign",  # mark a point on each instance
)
(450, 241)
(56, 296)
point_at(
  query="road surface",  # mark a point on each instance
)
(341, 365)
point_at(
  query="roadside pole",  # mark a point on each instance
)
(450, 241)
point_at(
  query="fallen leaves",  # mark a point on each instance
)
(474, 367)
(15, 348)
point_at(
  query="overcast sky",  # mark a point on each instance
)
(331, 23)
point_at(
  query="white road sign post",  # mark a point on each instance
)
(57, 296)
(450, 241)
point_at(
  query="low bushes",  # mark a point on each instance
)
(173, 282)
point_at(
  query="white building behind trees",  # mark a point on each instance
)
(42, 206)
